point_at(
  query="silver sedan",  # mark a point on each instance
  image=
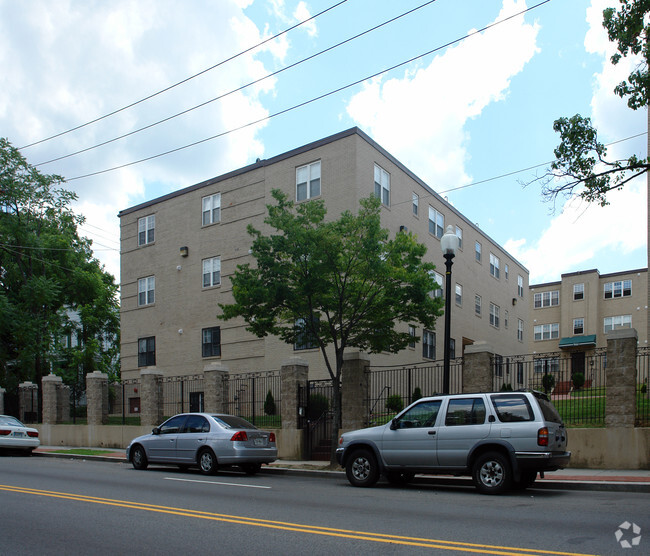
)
(206, 440)
(16, 436)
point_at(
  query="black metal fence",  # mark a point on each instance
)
(392, 389)
(317, 417)
(256, 397)
(642, 418)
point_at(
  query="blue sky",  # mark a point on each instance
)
(480, 108)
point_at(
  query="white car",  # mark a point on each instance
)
(16, 436)
(204, 440)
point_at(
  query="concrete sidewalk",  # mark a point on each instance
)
(633, 480)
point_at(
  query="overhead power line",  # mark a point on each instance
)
(312, 100)
(117, 111)
(241, 88)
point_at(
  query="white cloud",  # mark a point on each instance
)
(301, 14)
(420, 117)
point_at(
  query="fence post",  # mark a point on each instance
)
(28, 402)
(97, 398)
(151, 406)
(620, 377)
(216, 384)
(49, 384)
(477, 368)
(354, 391)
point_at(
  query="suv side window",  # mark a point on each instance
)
(421, 415)
(467, 411)
(512, 408)
(549, 411)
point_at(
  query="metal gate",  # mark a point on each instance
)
(316, 418)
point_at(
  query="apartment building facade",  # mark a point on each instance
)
(573, 316)
(179, 250)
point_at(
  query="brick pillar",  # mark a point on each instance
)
(216, 387)
(354, 391)
(477, 368)
(28, 402)
(97, 398)
(50, 384)
(620, 377)
(63, 403)
(293, 373)
(151, 406)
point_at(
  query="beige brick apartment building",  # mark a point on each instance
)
(179, 250)
(572, 317)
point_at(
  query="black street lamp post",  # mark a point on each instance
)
(449, 244)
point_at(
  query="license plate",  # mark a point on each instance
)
(259, 442)
(18, 434)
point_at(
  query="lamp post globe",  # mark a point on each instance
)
(449, 243)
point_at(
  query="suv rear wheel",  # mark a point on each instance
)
(362, 469)
(492, 473)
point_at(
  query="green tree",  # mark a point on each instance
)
(582, 164)
(342, 284)
(50, 285)
(269, 404)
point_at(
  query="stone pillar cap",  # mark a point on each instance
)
(96, 374)
(295, 361)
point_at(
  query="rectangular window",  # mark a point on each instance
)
(211, 272)
(382, 185)
(459, 235)
(505, 319)
(547, 365)
(618, 289)
(578, 292)
(436, 222)
(494, 265)
(547, 299)
(452, 348)
(146, 229)
(439, 291)
(520, 285)
(459, 294)
(146, 290)
(147, 351)
(477, 305)
(520, 330)
(412, 335)
(477, 251)
(428, 344)
(211, 206)
(416, 203)
(506, 271)
(621, 321)
(547, 332)
(494, 315)
(306, 338)
(308, 181)
(578, 326)
(211, 342)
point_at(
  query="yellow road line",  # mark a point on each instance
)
(296, 527)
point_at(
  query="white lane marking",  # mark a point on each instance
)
(214, 483)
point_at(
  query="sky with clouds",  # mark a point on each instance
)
(475, 101)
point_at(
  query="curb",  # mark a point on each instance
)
(544, 484)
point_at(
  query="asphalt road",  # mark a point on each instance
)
(60, 506)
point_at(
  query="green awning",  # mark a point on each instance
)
(576, 341)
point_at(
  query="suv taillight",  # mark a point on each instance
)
(542, 437)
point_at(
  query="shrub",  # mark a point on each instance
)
(269, 404)
(644, 389)
(318, 404)
(416, 395)
(506, 387)
(394, 403)
(548, 382)
(578, 380)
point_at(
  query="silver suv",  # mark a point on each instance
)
(501, 439)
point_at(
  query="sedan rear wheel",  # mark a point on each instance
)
(362, 469)
(139, 458)
(207, 462)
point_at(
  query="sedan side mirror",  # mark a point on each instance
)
(394, 424)
(155, 431)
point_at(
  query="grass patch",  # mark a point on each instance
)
(83, 452)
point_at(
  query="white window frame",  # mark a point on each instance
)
(478, 305)
(546, 332)
(478, 251)
(495, 315)
(543, 300)
(416, 204)
(614, 290)
(578, 326)
(440, 280)
(436, 222)
(578, 292)
(459, 295)
(412, 335)
(212, 271)
(459, 235)
(382, 185)
(146, 230)
(211, 209)
(494, 266)
(146, 291)
(428, 344)
(520, 330)
(520, 285)
(308, 176)
(506, 271)
(618, 321)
